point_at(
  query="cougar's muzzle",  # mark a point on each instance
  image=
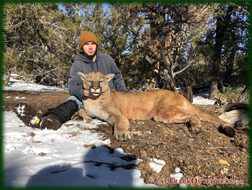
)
(95, 88)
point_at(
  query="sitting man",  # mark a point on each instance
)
(89, 59)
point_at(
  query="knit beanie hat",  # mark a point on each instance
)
(87, 37)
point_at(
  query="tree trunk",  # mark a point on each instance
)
(244, 97)
(7, 76)
(151, 81)
(230, 67)
(188, 93)
(168, 81)
(216, 60)
(221, 28)
(213, 89)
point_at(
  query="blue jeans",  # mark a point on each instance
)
(80, 104)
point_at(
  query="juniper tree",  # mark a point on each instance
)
(225, 47)
(35, 41)
(173, 30)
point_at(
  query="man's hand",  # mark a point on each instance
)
(88, 94)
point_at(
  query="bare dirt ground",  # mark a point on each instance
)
(207, 155)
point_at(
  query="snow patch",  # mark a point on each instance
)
(64, 158)
(157, 164)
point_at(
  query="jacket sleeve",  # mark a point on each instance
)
(75, 82)
(118, 79)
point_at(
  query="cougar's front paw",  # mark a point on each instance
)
(80, 116)
(195, 129)
(123, 135)
(76, 117)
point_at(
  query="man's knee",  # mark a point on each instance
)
(79, 102)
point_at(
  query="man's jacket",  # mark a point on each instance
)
(103, 63)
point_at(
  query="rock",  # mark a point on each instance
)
(223, 162)
(136, 133)
(224, 171)
(221, 101)
(143, 154)
(42, 154)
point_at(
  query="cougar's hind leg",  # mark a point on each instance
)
(179, 115)
(228, 130)
(80, 115)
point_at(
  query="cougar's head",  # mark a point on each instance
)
(96, 82)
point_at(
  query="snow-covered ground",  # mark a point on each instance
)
(34, 157)
(201, 99)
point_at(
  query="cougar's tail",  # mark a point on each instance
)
(225, 127)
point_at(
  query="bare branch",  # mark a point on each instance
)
(188, 65)
(43, 22)
(6, 27)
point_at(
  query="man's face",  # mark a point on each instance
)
(89, 48)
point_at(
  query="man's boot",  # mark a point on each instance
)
(53, 119)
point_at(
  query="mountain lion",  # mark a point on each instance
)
(161, 105)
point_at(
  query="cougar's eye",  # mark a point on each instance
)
(89, 81)
(101, 81)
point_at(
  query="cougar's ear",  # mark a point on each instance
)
(82, 75)
(109, 76)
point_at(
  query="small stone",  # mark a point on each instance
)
(32, 134)
(224, 171)
(143, 154)
(213, 174)
(42, 154)
(223, 162)
(132, 147)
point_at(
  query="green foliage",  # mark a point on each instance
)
(224, 49)
(229, 92)
(32, 33)
(39, 38)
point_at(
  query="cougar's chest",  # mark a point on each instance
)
(95, 108)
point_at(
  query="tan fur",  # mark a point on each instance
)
(161, 105)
